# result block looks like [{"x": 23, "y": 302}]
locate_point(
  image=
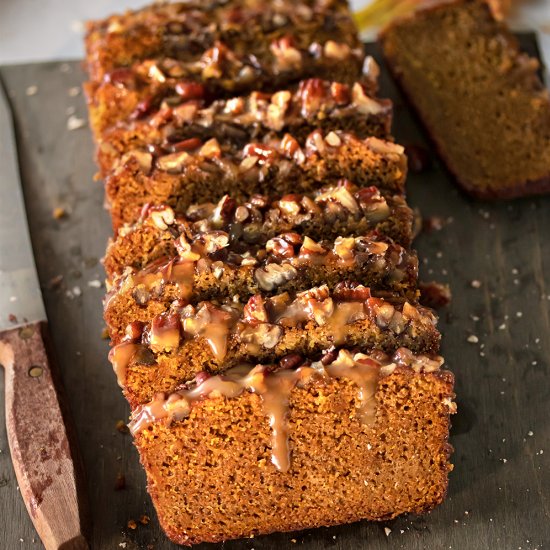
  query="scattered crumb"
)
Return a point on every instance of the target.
[
  {"x": 504, "y": 460},
  {"x": 31, "y": 90},
  {"x": 475, "y": 284},
  {"x": 144, "y": 520},
  {"x": 519, "y": 314},
  {"x": 123, "y": 544},
  {"x": 472, "y": 339},
  {"x": 433, "y": 223},
  {"x": 439, "y": 254},
  {"x": 12, "y": 318},
  {"x": 387, "y": 530},
  {"x": 530, "y": 433},
  {"x": 95, "y": 283},
  {"x": 65, "y": 68},
  {"x": 474, "y": 318},
  {"x": 74, "y": 292},
  {"x": 55, "y": 282},
  {"x": 74, "y": 123},
  {"x": 74, "y": 91},
  {"x": 502, "y": 327},
  {"x": 13, "y": 299},
  {"x": 515, "y": 271},
  {"x": 59, "y": 212},
  {"x": 120, "y": 482},
  {"x": 121, "y": 427}
]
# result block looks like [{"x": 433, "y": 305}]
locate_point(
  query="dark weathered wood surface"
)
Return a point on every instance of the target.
[{"x": 499, "y": 494}]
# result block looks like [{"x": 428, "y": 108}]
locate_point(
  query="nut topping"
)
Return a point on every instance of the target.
[
  {"x": 274, "y": 275},
  {"x": 371, "y": 70},
  {"x": 288, "y": 57},
  {"x": 280, "y": 247},
  {"x": 214, "y": 241},
  {"x": 336, "y": 50},
  {"x": 143, "y": 158},
  {"x": 309, "y": 246},
  {"x": 156, "y": 74},
  {"x": 259, "y": 150},
  {"x": 365, "y": 104},
  {"x": 343, "y": 248},
  {"x": 162, "y": 218},
  {"x": 384, "y": 147},
  {"x": 183, "y": 246},
  {"x": 254, "y": 311},
  {"x": 211, "y": 149},
  {"x": 289, "y": 145},
  {"x": 190, "y": 90},
  {"x": 351, "y": 292},
  {"x": 333, "y": 139},
  {"x": 165, "y": 333},
  {"x": 174, "y": 162}
]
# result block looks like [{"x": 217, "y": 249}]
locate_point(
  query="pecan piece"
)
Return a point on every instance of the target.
[
  {"x": 348, "y": 291},
  {"x": 274, "y": 275},
  {"x": 254, "y": 311}
]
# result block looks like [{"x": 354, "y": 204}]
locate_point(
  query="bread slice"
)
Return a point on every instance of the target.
[
  {"x": 316, "y": 104},
  {"x": 209, "y": 265},
  {"x": 478, "y": 96},
  {"x": 297, "y": 445},
  {"x": 159, "y": 355},
  {"x": 184, "y": 30},
  {"x": 204, "y": 172},
  {"x": 341, "y": 210},
  {"x": 126, "y": 92}
]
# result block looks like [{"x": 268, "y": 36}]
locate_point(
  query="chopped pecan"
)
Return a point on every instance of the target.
[
  {"x": 162, "y": 217},
  {"x": 364, "y": 103},
  {"x": 336, "y": 50},
  {"x": 224, "y": 211},
  {"x": 273, "y": 275},
  {"x": 184, "y": 248},
  {"x": 174, "y": 162},
  {"x": 291, "y": 361},
  {"x": 343, "y": 248},
  {"x": 280, "y": 247},
  {"x": 190, "y": 90},
  {"x": 309, "y": 246},
  {"x": 254, "y": 311},
  {"x": 347, "y": 291},
  {"x": 215, "y": 240},
  {"x": 211, "y": 149},
  {"x": 165, "y": 332}
]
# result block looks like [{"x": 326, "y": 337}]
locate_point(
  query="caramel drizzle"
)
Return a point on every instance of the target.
[
  {"x": 275, "y": 388},
  {"x": 120, "y": 357},
  {"x": 180, "y": 273},
  {"x": 217, "y": 325}
]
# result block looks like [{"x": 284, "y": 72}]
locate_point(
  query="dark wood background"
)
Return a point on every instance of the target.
[{"x": 499, "y": 493}]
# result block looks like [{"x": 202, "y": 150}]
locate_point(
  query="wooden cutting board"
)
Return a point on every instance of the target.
[{"x": 499, "y": 494}]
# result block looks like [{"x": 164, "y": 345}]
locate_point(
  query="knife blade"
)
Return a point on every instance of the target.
[{"x": 40, "y": 432}]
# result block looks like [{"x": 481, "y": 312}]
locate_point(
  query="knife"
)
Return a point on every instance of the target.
[{"x": 41, "y": 436}]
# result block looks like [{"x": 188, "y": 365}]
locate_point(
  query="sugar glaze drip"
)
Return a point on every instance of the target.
[{"x": 276, "y": 387}]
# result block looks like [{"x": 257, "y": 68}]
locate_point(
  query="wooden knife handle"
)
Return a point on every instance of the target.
[{"x": 42, "y": 439}]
